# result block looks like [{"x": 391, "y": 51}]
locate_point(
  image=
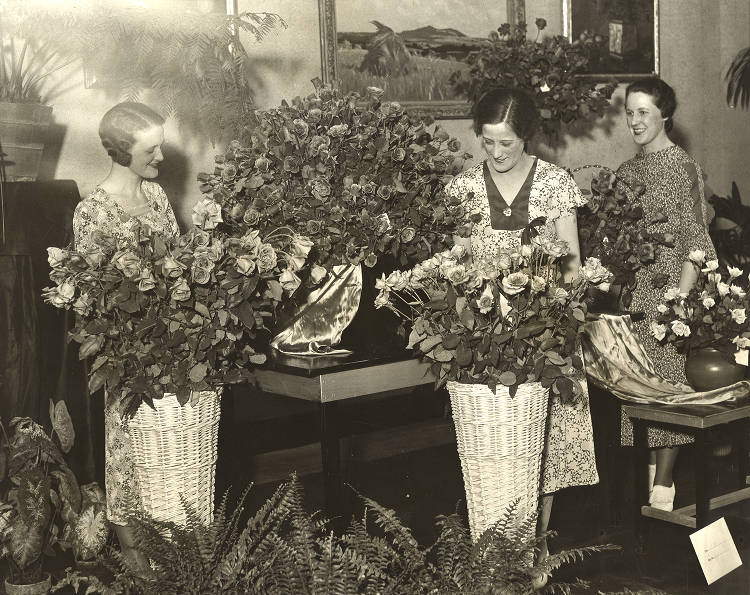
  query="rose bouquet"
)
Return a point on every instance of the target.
[
  {"x": 612, "y": 227},
  {"x": 358, "y": 176},
  {"x": 177, "y": 316},
  {"x": 508, "y": 321},
  {"x": 712, "y": 314}
]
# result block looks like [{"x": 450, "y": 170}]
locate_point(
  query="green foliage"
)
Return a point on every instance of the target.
[
  {"x": 194, "y": 63},
  {"x": 505, "y": 321},
  {"x": 180, "y": 316},
  {"x": 548, "y": 70},
  {"x": 283, "y": 550},
  {"x": 359, "y": 176},
  {"x": 612, "y": 227},
  {"x": 39, "y": 494}
]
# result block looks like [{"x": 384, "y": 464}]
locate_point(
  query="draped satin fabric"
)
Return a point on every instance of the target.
[
  {"x": 320, "y": 322},
  {"x": 616, "y": 361},
  {"x": 36, "y": 361}
]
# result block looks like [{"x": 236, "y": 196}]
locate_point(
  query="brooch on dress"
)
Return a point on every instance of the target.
[{"x": 507, "y": 212}]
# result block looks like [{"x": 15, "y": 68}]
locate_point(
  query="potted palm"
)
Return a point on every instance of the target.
[
  {"x": 26, "y": 62},
  {"x": 194, "y": 62},
  {"x": 501, "y": 334}
]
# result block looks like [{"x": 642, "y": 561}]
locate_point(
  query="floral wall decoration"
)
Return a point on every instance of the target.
[{"x": 359, "y": 176}]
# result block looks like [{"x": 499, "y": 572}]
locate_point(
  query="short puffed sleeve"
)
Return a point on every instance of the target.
[{"x": 562, "y": 193}]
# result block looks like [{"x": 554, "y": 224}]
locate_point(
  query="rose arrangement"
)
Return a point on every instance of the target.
[
  {"x": 507, "y": 321},
  {"x": 177, "y": 316},
  {"x": 612, "y": 227},
  {"x": 548, "y": 69},
  {"x": 358, "y": 176},
  {"x": 714, "y": 313}
]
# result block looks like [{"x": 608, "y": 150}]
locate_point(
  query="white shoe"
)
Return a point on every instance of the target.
[
  {"x": 662, "y": 497},
  {"x": 651, "y": 476}
]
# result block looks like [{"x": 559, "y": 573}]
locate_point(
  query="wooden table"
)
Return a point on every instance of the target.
[
  {"x": 329, "y": 380},
  {"x": 699, "y": 420}
]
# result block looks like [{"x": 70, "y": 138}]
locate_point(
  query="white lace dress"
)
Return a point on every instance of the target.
[{"x": 569, "y": 451}]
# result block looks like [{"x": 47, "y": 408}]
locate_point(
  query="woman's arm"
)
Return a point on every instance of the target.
[
  {"x": 693, "y": 230},
  {"x": 566, "y": 228}
]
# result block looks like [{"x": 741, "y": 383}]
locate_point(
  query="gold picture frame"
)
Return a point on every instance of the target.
[{"x": 333, "y": 47}]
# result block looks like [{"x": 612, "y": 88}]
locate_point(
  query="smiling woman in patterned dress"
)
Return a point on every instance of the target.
[
  {"x": 510, "y": 189},
  {"x": 132, "y": 134},
  {"x": 674, "y": 187}
]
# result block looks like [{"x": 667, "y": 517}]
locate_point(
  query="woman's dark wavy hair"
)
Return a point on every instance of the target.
[
  {"x": 662, "y": 95},
  {"x": 119, "y": 125},
  {"x": 513, "y": 106}
]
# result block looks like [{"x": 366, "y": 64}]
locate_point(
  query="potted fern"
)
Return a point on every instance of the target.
[{"x": 283, "y": 549}]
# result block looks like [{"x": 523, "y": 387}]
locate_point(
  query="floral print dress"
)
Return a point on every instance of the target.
[
  {"x": 549, "y": 192},
  {"x": 674, "y": 187},
  {"x": 100, "y": 214}
]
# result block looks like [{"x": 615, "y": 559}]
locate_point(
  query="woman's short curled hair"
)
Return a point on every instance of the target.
[
  {"x": 513, "y": 106},
  {"x": 662, "y": 94},
  {"x": 119, "y": 125}
]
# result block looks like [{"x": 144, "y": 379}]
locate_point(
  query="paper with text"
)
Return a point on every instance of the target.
[{"x": 716, "y": 550}]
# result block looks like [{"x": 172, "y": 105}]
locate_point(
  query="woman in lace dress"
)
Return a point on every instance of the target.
[
  {"x": 132, "y": 134},
  {"x": 674, "y": 187},
  {"x": 510, "y": 189}
]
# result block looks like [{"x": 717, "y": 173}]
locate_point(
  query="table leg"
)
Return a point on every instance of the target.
[
  {"x": 741, "y": 445},
  {"x": 640, "y": 478},
  {"x": 702, "y": 470},
  {"x": 331, "y": 458}
]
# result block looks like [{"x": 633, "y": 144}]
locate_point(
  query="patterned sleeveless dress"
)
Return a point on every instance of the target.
[
  {"x": 674, "y": 187},
  {"x": 100, "y": 213},
  {"x": 550, "y": 192}
]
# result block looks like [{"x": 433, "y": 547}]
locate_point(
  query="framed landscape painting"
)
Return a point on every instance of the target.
[
  {"x": 409, "y": 48},
  {"x": 630, "y": 29}
]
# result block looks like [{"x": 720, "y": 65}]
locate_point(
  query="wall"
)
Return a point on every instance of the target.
[{"x": 698, "y": 41}]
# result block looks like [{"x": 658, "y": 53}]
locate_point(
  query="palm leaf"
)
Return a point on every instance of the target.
[{"x": 738, "y": 80}]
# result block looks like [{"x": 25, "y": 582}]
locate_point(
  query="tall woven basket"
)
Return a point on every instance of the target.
[
  {"x": 175, "y": 450},
  {"x": 500, "y": 443}
]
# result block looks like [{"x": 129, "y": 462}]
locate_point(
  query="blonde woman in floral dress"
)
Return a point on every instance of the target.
[
  {"x": 510, "y": 189},
  {"x": 132, "y": 134},
  {"x": 674, "y": 188}
]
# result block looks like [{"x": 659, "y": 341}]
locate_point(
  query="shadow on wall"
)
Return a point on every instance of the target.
[
  {"x": 173, "y": 177},
  {"x": 52, "y": 148},
  {"x": 678, "y": 137},
  {"x": 271, "y": 74},
  {"x": 584, "y": 129}
]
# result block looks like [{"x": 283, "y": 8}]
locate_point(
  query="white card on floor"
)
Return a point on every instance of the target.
[{"x": 716, "y": 550}]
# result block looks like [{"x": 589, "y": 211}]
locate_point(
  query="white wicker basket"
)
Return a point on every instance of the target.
[
  {"x": 500, "y": 443},
  {"x": 175, "y": 450}
]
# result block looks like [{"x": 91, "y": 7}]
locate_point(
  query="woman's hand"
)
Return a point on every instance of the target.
[{"x": 566, "y": 228}]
